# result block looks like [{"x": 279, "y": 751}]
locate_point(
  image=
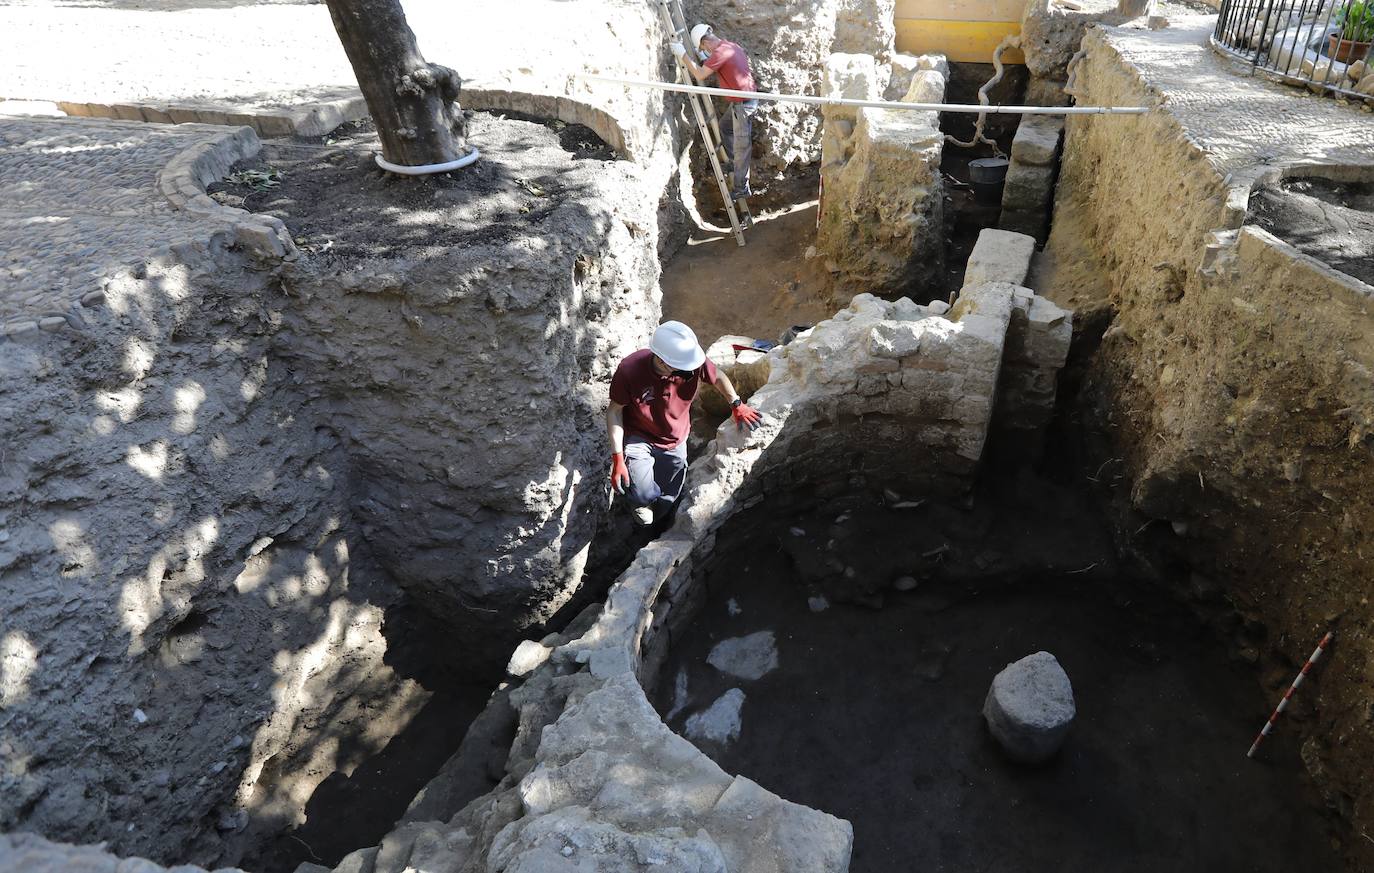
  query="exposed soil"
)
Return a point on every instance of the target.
[
  {"x": 874, "y": 715},
  {"x": 1331, "y": 221},
  {"x": 341, "y": 208},
  {"x": 759, "y": 289},
  {"x": 353, "y": 810}
]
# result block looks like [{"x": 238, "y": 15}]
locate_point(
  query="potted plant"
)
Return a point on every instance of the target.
[{"x": 1356, "y": 22}]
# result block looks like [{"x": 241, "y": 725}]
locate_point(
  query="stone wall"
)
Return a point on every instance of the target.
[
  {"x": 594, "y": 777},
  {"x": 881, "y": 225}
]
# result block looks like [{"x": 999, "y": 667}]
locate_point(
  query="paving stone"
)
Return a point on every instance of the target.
[{"x": 79, "y": 200}]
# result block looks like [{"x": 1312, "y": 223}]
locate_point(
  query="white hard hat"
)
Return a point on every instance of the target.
[
  {"x": 675, "y": 343},
  {"x": 697, "y": 33}
]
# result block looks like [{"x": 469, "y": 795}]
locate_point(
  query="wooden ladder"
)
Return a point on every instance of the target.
[{"x": 707, "y": 123}]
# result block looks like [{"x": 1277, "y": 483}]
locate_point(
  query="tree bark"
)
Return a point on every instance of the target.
[{"x": 414, "y": 103}]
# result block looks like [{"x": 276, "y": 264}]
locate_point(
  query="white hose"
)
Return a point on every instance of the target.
[
  {"x": 427, "y": 169},
  {"x": 876, "y": 104}
]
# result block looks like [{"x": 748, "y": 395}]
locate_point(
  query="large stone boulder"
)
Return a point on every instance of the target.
[{"x": 1030, "y": 708}]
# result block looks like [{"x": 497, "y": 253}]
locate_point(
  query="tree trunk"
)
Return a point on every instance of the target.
[{"x": 413, "y": 103}]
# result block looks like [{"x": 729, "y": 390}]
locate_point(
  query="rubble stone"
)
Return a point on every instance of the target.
[
  {"x": 1030, "y": 708},
  {"x": 749, "y": 657},
  {"x": 881, "y": 221}
]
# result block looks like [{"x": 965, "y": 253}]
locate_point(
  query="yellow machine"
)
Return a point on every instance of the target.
[{"x": 962, "y": 30}]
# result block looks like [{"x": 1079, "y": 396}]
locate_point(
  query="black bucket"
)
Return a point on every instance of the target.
[{"x": 987, "y": 175}]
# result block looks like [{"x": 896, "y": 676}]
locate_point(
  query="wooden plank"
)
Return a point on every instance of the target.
[
  {"x": 960, "y": 41},
  {"x": 961, "y": 10}
]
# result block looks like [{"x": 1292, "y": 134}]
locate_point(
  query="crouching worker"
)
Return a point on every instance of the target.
[{"x": 650, "y": 414}]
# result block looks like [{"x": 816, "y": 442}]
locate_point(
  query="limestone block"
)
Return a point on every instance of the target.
[
  {"x": 903, "y": 67},
  {"x": 1050, "y": 332},
  {"x": 720, "y": 722},
  {"x": 748, "y": 657},
  {"x": 1030, "y": 708},
  {"x": 1037, "y": 140},
  {"x": 999, "y": 256},
  {"x": 526, "y": 657},
  {"x": 748, "y": 371},
  {"x": 1028, "y": 187},
  {"x": 895, "y": 339},
  {"x": 851, "y": 77},
  {"x": 759, "y": 832},
  {"x": 927, "y": 86}
]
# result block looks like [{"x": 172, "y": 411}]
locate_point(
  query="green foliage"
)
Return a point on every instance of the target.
[
  {"x": 1356, "y": 19},
  {"x": 258, "y": 180}
]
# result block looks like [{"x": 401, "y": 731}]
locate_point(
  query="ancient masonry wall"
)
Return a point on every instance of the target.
[
  {"x": 1234, "y": 387},
  {"x": 594, "y": 777},
  {"x": 881, "y": 225},
  {"x": 192, "y": 633}
]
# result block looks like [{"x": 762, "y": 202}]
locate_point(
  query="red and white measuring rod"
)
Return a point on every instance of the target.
[
  {"x": 1283, "y": 704},
  {"x": 876, "y": 104}
]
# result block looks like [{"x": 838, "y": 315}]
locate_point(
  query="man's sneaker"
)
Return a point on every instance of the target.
[
  {"x": 643, "y": 515},
  {"x": 746, "y": 221},
  {"x": 737, "y": 194}
]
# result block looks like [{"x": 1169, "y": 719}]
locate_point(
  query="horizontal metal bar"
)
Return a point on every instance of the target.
[{"x": 875, "y": 104}]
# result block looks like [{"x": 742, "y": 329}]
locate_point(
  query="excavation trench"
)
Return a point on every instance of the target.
[
  {"x": 870, "y": 699},
  {"x": 894, "y": 564}
]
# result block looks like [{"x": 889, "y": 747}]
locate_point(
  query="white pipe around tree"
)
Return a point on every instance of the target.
[
  {"x": 428, "y": 169},
  {"x": 876, "y": 104}
]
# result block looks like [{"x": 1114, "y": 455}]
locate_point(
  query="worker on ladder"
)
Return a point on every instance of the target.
[{"x": 728, "y": 61}]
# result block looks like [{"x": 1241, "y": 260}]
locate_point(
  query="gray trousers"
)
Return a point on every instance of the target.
[
  {"x": 742, "y": 143},
  {"x": 655, "y": 474}
]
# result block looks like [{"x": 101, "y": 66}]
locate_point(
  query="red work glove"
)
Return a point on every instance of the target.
[
  {"x": 745, "y": 416},
  {"x": 620, "y": 474}
]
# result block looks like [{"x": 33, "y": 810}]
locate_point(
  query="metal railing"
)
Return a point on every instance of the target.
[{"x": 1291, "y": 40}]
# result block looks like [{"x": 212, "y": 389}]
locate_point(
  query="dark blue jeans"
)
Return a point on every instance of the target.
[{"x": 655, "y": 474}]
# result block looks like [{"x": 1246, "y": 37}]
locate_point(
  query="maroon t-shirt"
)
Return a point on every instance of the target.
[
  {"x": 731, "y": 64},
  {"x": 657, "y": 408}
]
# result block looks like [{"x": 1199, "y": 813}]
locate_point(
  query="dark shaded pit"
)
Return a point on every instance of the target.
[
  {"x": 874, "y": 715},
  {"x": 1331, "y": 221}
]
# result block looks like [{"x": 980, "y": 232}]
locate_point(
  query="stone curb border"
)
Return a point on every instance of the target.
[
  {"x": 314, "y": 119},
  {"x": 318, "y": 119},
  {"x": 183, "y": 183},
  {"x": 184, "y": 179}
]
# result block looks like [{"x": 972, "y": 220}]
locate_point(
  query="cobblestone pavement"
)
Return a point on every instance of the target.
[
  {"x": 78, "y": 200},
  {"x": 1247, "y": 124}
]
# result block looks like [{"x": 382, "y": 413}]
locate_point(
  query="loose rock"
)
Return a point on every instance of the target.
[
  {"x": 748, "y": 657},
  {"x": 720, "y": 722},
  {"x": 1030, "y": 708}
]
